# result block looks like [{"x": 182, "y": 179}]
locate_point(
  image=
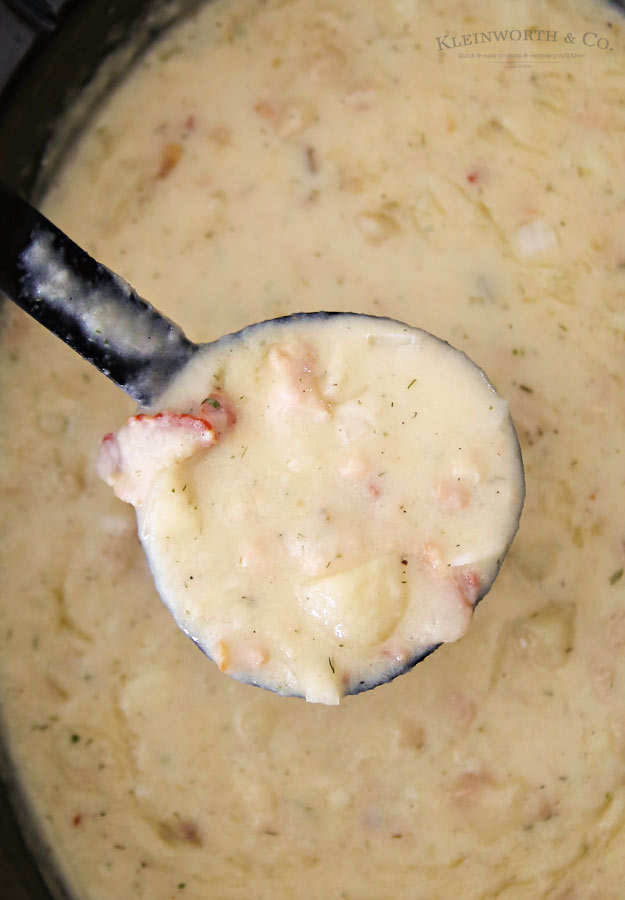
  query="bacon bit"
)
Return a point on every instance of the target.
[
  {"x": 169, "y": 159},
  {"x": 257, "y": 656},
  {"x": 109, "y": 456},
  {"x": 468, "y": 584},
  {"x": 374, "y": 489},
  {"x": 540, "y": 806},
  {"x": 452, "y": 495},
  {"x": 170, "y": 420},
  {"x": 240, "y": 657},
  {"x": 396, "y": 652},
  {"x": 266, "y": 110},
  {"x": 298, "y": 385},
  {"x": 77, "y": 820},
  {"x": 468, "y": 787},
  {"x": 130, "y": 459},
  {"x": 220, "y": 136},
  {"x": 190, "y": 833},
  {"x": 185, "y": 420},
  {"x": 287, "y": 119},
  {"x": 473, "y": 177},
  {"x": 219, "y": 411},
  {"x": 546, "y": 810},
  {"x": 221, "y": 656},
  {"x": 462, "y": 707},
  {"x": 190, "y": 123}
]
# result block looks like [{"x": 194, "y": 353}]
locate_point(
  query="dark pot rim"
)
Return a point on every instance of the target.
[{"x": 49, "y": 51}]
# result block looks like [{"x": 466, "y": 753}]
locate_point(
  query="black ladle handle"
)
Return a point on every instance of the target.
[{"x": 89, "y": 307}]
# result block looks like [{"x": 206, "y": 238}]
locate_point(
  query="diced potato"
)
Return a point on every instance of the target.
[
  {"x": 546, "y": 637},
  {"x": 362, "y": 605},
  {"x": 171, "y": 512},
  {"x": 535, "y": 559}
]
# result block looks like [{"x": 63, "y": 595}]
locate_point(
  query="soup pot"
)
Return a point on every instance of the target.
[{"x": 49, "y": 51}]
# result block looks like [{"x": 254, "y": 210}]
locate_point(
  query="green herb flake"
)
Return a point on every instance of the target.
[
  {"x": 528, "y": 390},
  {"x": 331, "y": 664},
  {"x": 214, "y": 403},
  {"x": 411, "y": 384},
  {"x": 75, "y": 738},
  {"x": 616, "y": 576}
]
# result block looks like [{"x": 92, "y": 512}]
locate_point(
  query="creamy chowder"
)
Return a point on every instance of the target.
[
  {"x": 272, "y": 157},
  {"x": 322, "y": 499}
]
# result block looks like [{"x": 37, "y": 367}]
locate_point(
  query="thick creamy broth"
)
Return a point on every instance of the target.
[
  {"x": 275, "y": 157},
  {"x": 322, "y": 499}
]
